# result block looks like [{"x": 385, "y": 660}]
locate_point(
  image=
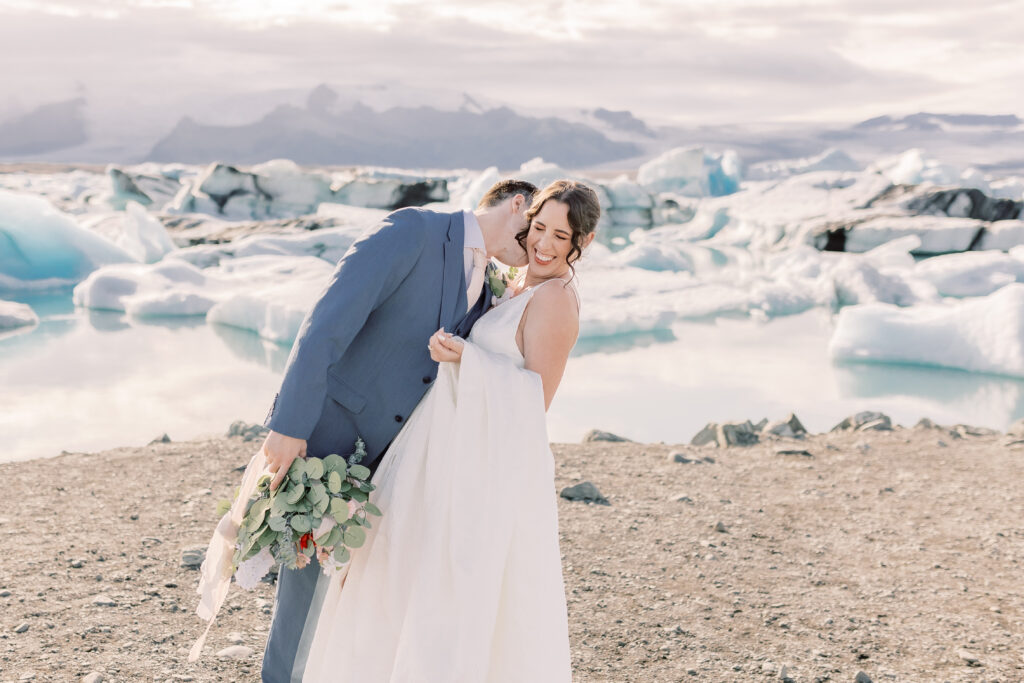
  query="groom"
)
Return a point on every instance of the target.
[{"x": 360, "y": 363}]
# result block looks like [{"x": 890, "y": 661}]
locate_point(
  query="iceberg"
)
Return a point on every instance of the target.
[
  {"x": 268, "y": 294},
  {"x": 938, "y": 234},
  {"x": 972, "y": 273},
  {"x": 41, "y": 246},
  {"x": 328, "y": 244},
  {"x": 692, "y": 172},
  {"x": 831, "y": 159},
  {"x": 985, "y": 334},
  {"x": 913, "y": 168},
  {"x": 134, "y": 230},
  {"x": 14, "y": 315},
  {"x": 1003, "y": 235}
]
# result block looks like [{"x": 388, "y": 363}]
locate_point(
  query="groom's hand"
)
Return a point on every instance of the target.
[{"x": 280, "y": 451}]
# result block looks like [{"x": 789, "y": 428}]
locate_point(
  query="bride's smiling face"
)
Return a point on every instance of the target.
[{"x": 550, "y": 240}]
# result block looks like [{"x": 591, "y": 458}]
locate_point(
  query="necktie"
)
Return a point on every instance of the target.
[{"x": 477, "y": 281}]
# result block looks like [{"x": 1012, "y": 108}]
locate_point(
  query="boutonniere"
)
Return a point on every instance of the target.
[{"x": 499, "y": 282}]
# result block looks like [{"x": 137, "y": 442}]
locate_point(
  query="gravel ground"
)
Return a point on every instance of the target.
[{"x": 896, "y": 554}]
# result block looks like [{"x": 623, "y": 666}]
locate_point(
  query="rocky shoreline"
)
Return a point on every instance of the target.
[{"x": 873, "y": 552}]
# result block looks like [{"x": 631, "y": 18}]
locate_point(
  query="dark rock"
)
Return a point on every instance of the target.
[
  {"x": 721, "y": 528},
  {"x": 248, "y": 432},
  {"x": 861, "y": 677},
  {"x": 794, "y": 451},
  {"x": 584, "y": 491},
  {"x": 192, "y": 558},
  {"x": 160, "y": 439},
  {"x": 866, "y": 420},
  {"x": 21, "y": 628},
  {"x": 969, "y": 658},
  {"x": 598, "y": 435},
  {"x": 737, "y": 434},
  {"x": 681, "y": 458},
  {"x": 760, "y": 425},
  {"x": 969, "y": 430}
]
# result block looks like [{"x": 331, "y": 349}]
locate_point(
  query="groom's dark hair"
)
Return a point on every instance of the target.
[{"x": 504, "y": 189}]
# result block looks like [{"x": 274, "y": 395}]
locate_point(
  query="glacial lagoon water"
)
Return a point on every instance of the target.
[{"x": 87, "y": 380}]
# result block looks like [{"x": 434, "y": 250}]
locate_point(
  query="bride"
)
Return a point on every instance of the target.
[{"x": 461, "y": 579}]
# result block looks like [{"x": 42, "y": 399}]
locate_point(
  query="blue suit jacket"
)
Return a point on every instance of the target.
[{"x": 360, "y": 363}]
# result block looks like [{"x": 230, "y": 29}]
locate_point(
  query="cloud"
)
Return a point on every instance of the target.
[{"x": 699, "y": 61}]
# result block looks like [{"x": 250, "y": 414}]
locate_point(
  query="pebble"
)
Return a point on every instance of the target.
[
  {"x": 784, "y": 675},
  {"x": 235, "y": 652},
  {"x": 598, "y": 435},
  {"x": 861, "y": 677},
  {"x": 21, "y": 628},
  {"x": 969, "y": 658},
  {"x": 94, "y": 677},
  {"x": 77, "y": 564},
  {"x": 584, "y": 491},
  {"x": 677, "y": 456},
  {"x": 681, "y": 498},
  {"x": 236, "y": 638},
  {"x": 161, "y": 439},
  {"x": 102, "y": 600},
  {"x": 192, "y": 558},
  {"x": 5, "y": 594},
  {"x": 720, "y": 527},
  {"x": 794, "y": 451}
]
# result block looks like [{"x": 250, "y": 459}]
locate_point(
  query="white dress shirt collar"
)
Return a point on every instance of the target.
[{"x": 474, "y": 236}]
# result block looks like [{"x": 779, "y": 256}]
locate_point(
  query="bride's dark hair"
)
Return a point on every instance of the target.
[{"x": 584, "y": 212}]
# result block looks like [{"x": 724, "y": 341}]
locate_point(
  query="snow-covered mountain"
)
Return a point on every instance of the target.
[{"x": 394, "y": 124}]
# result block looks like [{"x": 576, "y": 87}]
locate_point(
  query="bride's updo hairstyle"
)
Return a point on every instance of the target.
[{"x": 584, "y": 212}]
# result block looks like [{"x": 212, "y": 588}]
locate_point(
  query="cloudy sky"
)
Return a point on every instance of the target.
[{"x": 683, "y": 61}]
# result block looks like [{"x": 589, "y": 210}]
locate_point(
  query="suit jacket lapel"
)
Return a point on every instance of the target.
[{"x": 453, "y": 286}]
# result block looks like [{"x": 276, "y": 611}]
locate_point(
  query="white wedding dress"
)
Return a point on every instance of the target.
[{"x": 461, "y": 580}]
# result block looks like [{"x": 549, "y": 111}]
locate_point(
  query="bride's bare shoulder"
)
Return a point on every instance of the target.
[{"x": 556, "y": 298}]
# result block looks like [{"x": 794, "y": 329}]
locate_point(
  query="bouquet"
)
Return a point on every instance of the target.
[{"x": 321, "y": 507}]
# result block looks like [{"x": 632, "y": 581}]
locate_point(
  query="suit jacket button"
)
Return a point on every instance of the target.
[
  {"x": 398, "y": 418},
  {"x": 428, "y": 380}
]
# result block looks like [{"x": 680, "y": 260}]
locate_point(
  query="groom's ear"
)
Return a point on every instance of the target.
[{"x": 518, "y": 201}]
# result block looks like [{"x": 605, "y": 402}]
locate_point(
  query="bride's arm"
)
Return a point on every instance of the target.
[{"x": 550, "y": 326}]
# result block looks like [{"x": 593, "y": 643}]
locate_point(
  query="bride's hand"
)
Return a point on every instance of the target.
[{"x": 444, "y": 347}]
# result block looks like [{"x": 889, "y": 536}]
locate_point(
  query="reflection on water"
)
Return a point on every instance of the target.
[
  {"x": 622, "y": 342},
  {"x": 251, "y": 347},
  {"x": 89, "y": 380},
  {"x": 992, "y": 399}
]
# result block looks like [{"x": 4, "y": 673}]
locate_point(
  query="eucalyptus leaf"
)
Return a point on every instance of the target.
[
  {"x": 295, "y": 494},
  {"x": 297, "y": 469},
  {"x": 314, "y": 468},
  {"x": 358, "y": 496},
  {"x": 372, "y": 509},
  {"x": 335, "y": 463},
  {"x": 341, "y": 554},
  {"x": 322, "y": 505},
  {"x": 345, "y": 486},
  {"x": 359, "y": 472},
  {"x": 301, "y": 523},
  {"x": 354, "y": 537},
  {"x": 333, "y": 483},
  {"x": 277, "y": 523}
]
